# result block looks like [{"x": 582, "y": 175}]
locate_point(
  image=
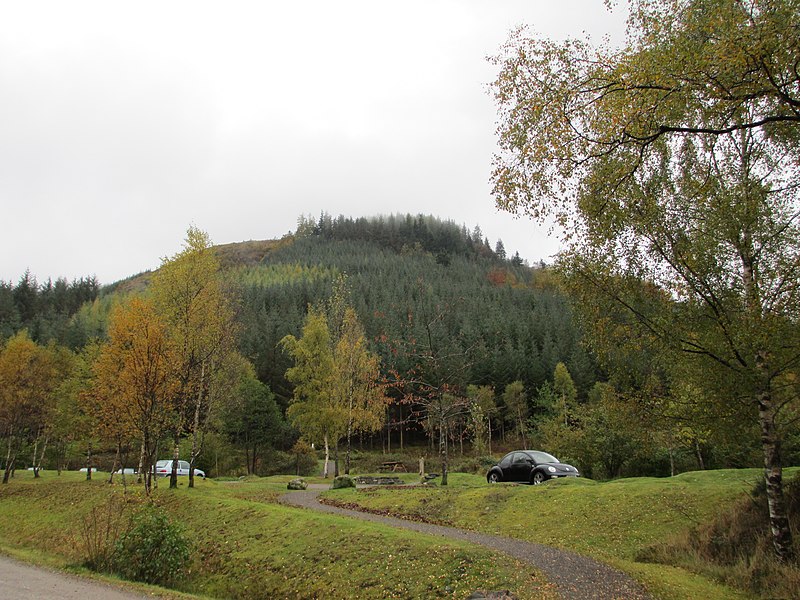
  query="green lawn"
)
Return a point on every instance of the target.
[
  {"x": 246, "y": 546},
  {"x": 610, "y": 521}
]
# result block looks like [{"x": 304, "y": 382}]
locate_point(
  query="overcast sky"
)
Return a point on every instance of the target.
[{"x": 123, "y": 123}]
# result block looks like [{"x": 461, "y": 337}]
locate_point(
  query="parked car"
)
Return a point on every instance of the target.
[
  {"x": 126, "y": 471},
  {"x": 164, "y": 469},
  {"x": 529, "y": 466}
]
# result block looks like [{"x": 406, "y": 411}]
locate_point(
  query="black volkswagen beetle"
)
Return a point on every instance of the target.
[{"x": 530, "y": 466}]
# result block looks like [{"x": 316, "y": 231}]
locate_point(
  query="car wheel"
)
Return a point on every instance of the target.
[
  {"x": 538, "y": 478},
  {"x": 492, "y": 477}
]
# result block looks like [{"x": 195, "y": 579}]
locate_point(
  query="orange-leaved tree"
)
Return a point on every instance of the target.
[
  {"x": 27, "y": 380},
  {"x": 135, "y": 379}
]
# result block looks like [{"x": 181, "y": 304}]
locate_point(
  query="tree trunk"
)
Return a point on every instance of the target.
[
  {"x": 10, "y": 457},
  {"x": 116, "y": 462},
  {"x": 176, "y": 455},
  {"x": 147, "y": 460},
  {"x": 671, "y": 452},
  {"x": 196, "y": 448},
  {"x": 388, "y": 430},
  {"x": 140, "y": 470},
  {"x": 35, "y": 454},
  {"x": 347, "y": 450},
  {"x": 89, "y": 462},
  {"x": 443, "y": 449},
  {"x": 773, "y": 473},
  {"x": 402, "y": 426},
  {"x": 42, "y": 453},
  {"x": 700, "y": 463},
  {"x": 327, "y": 457}
]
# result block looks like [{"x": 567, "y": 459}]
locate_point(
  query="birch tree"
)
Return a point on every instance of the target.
[
  {"x": 313, "y": 408},
  {"x": 674, "y": 161},
  {"x": 189, "y": 295},
  {"x": 357, "y": 379}
]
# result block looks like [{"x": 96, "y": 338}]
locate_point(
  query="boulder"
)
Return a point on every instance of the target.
[
  {"x": 297, "y": 484},
  {"x": 343, "y": 481}
]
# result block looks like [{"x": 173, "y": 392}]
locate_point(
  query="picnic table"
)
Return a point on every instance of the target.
[{"x": 393, "y": 466}]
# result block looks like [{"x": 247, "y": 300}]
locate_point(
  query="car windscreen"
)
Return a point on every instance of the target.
[{"x": 542, "y": 457}]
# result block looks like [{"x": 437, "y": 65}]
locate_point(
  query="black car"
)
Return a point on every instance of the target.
[{"x": 530, "y": 466}]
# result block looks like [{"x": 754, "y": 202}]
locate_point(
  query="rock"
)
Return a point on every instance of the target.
[
  {"x": 343, "y": 481},
  {"x": 297, "y": 484},
  {"x": 498, "y": 595},
  {"x": 366, "y": 480}
]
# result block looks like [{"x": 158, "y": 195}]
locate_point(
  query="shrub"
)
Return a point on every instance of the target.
[
  {"x": 99, "y": 532},
  {"x": 152, "y": 550}
]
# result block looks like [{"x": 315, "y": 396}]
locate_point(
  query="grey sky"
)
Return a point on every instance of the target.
[{"x": 123, "y": 123}]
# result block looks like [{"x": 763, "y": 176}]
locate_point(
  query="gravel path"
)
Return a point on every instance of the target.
[
  {"x": 575, "y": 576},
  {"x": 19, "y": 581}
]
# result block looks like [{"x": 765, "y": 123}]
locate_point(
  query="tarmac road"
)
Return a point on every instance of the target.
[{"x": 19, "y": 581}]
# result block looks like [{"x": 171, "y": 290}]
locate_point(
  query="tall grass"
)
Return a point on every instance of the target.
[{"x": 736, "y": 546}]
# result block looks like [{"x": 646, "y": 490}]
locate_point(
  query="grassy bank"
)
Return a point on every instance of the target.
[
  {"x": 246, "y": 546},
  {"x": 616, "y": 522}
]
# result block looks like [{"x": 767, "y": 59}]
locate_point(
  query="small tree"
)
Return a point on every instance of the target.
[
  {"x": 482, "y": 407},
  {"x": 313, "y": 408},
  {"x": 357, "y": 379},
  {"x": 565, "y": 391}
]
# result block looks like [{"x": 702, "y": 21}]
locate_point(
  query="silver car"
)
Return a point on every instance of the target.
[{"x": 164, "y": 469}]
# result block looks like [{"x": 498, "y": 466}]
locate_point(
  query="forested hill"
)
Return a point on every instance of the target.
[
  {"x": 409, "y": 276},
  {"x": 414, "y": 281}
]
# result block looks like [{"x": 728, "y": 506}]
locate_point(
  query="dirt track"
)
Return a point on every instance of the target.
[{"x": 575, "y": 576}]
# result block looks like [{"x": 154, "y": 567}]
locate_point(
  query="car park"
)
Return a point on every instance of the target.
[
  {"x": 164, "y": 469},
  {"x": 529, "y": 466}
]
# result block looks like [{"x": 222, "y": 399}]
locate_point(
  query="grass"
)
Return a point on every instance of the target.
[
  {"x": 614, "y": 521},
  {"x": 246, "y": 546}
]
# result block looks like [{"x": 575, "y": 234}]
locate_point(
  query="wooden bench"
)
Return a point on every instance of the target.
[{"x": 393, "y": 466}]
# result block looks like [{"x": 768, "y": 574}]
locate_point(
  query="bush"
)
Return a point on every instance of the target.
[
  {"x": 152, "y": 550},
  {"x": 100, "y": 530}
]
